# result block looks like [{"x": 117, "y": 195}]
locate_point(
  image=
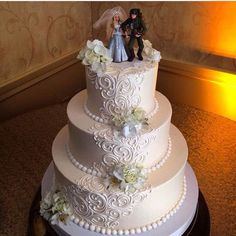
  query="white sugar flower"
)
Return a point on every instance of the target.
[
  {"x": 98, "y": 67},
  {"x": 130, "y": 122},
  {"x": 147, "y": 47},
  {"x": 92, "y": 44},
  {"x": 147, "y": 43},
  {"x": 91, "y": 57},
  {"x": 82, "y": 53},
  {"x": 118, "y": 173},
  {"x": 131, "y": 174},
  {"x": 55, "y": 208},
  {"x": 151, "y": 53},
  {"x": 95, "y": 66},
  {"x": 154, "y": 55},
  {"x": 138, "y": 114},
  {"x": 96, "y": 55},
  {"x": 48, "y": 199},
  {"x": 62, "y": 214},
  {"x": 54, "y": 219},
  {"x": 129, "y": 178},
  {"x": 100, "y": 50},
  {"x": 45, "y": 206},
  {"x": 125, "y": 131}
]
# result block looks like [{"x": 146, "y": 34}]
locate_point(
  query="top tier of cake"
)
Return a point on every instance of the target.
[{"x": 124, "y": 86}]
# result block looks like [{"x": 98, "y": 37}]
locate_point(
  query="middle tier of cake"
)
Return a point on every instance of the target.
[{"x": 93, "y": 146}]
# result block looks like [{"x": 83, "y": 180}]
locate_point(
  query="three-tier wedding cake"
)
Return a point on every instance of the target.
[{"x": 119, "y": 164}]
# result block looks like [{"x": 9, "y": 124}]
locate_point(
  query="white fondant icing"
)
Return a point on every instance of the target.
[
  {"x": 122, "y": 87},
  {"x": 105, "y": 121},
  {"x": 175, "y": 225},
  {"x": 99, "y": 170},
  {"x": 84, "y": 149},
  {"x": 119, "y": 149},
  {"x": 142, "y": 229},
  {"x": 97, "y": 205}
]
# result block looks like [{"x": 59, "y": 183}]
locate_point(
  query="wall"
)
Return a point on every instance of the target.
[
  {"x": 37, "y": 34},
  {"x": 200, "y": 33},
  {"x": 34, "y": 34},
  {"x": 38, "y": 46}
]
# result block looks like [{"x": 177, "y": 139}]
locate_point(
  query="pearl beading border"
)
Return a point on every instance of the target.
[
  {"x": 98, "y": 174},
  {"x": 94, "y": 117},
  {"x": 154, "y": 111},
  {"x": 163, "y": 160},
  {"x": 101, "y": 120},
  {"x": 139, "y": 230}
]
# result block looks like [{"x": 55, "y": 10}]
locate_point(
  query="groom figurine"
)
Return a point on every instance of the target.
[{"x": 137, "y": 28}]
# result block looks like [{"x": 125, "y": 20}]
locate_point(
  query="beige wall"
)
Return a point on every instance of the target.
[
  {"x": 201, "y": 33},
  {"x": 35, "y": 34}
]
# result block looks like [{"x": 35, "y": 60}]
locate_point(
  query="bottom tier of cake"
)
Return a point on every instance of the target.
[{"x": 174, "y": 226}]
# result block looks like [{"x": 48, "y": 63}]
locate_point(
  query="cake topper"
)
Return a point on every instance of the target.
[
  {"x": 112, "y": 19},
  {"x": 136, "y": 26}
]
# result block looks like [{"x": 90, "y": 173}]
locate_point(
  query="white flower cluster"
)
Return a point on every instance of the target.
[
  {"x": 151, "y": 53},
  {"x": 131, "y": 122},
  {"x": 130, "y": 178},
  {"x": 54, "y": 208},
  {"x": 96, "y": 55}
]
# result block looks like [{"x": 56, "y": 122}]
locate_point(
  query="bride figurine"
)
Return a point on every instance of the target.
[{"x": 112, "y": 18}]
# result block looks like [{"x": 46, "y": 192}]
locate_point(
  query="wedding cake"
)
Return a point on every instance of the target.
[{"x": 119, "y": 164}]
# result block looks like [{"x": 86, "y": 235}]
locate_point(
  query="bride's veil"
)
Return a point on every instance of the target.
[{"x": 106, "y": 19}]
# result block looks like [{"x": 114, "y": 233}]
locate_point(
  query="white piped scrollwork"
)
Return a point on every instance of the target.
[
  {"x": 153, "y": 225},
  {"x": 119, "y": 149},
  {"x": 119, "y": 90},
  {"x": 98, "y": 168},
  {"x": 95, "y": 204},
  {"x": 101, "y": 120}
]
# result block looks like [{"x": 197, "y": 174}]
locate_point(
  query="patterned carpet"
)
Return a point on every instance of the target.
[{"x": 25, "y": 153}]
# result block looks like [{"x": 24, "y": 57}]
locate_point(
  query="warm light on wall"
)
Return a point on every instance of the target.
[
  {"x": 218, "y": 33},
  {"x": 218, "y": 37},
  {"x": 222, "y": 92},
  {"x": 228, "y": 95}
]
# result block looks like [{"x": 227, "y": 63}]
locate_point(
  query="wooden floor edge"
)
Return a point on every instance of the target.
[{"x": 37, "y": 75}]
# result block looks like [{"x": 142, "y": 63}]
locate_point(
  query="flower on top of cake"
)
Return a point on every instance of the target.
[
  {"x": 95, "y": 55},
  {"x": 55, "y": 208},
  {"x": 152, "y": 54},
  {"x": 129, "y": 178},
  {"x": 130, "y": 123}
]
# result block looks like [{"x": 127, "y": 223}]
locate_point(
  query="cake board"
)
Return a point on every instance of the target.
[{"x": 176, "y": 225}]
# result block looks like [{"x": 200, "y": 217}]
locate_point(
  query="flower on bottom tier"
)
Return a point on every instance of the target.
[
  {"x": 129, "y": 178},
  {"x": 55, "y": 208}
]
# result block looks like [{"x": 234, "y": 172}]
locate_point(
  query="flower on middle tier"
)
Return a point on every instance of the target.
[{"x": 130, "y": 122}]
